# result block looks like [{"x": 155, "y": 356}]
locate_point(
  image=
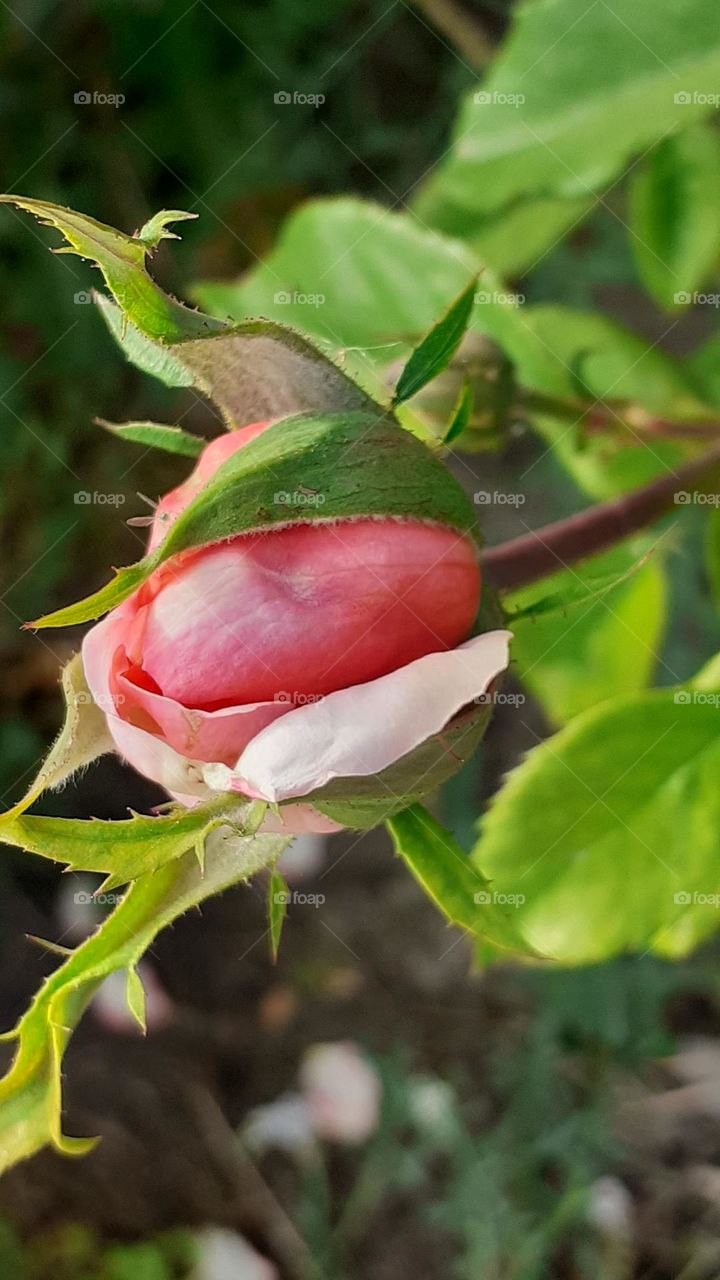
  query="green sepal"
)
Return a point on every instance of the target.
[
  {"x": 135, "y": 998},
  {"x": 125, "y": 849},
  {"x": 447, "y": 875},
  {"x": 83, "y": 737},
  {"x": 253, "y": 371},
  {"x": 31, "y": 1092},
  {"x": 437, "y": 349},
  {"x": 302, "y": 470},
  {"x": 461, "y": 414},
  {"x": 156, "y": 435},
  {"x": 363, "y": 803}
]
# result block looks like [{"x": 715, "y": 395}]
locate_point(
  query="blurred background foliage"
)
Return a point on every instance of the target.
[{"x": 595, "y": 226}]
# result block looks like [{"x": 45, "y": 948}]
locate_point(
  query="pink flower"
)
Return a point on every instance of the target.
[{"x": 274, "y": 662}]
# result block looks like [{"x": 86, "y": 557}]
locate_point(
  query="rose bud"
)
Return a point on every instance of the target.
[{"x": 278, "y": 664}]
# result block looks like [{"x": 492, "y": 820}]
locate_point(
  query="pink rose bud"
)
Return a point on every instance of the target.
[{"x": 274, "y": 662}]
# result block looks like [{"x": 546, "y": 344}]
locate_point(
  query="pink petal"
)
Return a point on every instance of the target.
[{"x": 360, "y": 731}]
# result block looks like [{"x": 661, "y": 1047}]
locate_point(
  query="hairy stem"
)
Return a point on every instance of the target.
[{"x": 544, "y": 551}]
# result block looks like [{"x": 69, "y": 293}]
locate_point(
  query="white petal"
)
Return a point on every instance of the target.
[{"x": 360, "y": 731}]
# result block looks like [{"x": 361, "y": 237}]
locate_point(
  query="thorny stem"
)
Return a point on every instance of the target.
[{"x": 544, "y": 551}]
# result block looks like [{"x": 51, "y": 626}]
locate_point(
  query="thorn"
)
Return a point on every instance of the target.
[
  {"x": 139, "y": 522},
  {"x": 53, "y": 947}
]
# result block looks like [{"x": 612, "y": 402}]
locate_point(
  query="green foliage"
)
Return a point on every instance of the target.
[
  {"x": 448, "y": 877},
  {"x": 608, "y": 638},
  {"x": 30, "y": 1094},
  {"x": 550, "y": 122},
  {"x": 675, "y": 214},
  {"x": 438, "y": 347},
  {"x": 609, "y": 830}
]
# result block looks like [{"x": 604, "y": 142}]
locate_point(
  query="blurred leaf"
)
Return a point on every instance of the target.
[
  {"x": 155, "y": 435},
  {"x": 712, "y": 553},
  {"x": 702, "y": 369},
  {"x": 560, "y": 126},
  {"x": 605, "y": 642},
  {"x": 515, "y": 240},
  {"x": 278, "y": 896},
  {"x": 30, "y": 1094},
  {"x": 446, "y": 874},
  {"x": 461, "y": 414},
  {"x": 436, "y": 350},
  {"x": 135, "y": 996},
  {"x": 611, "y": 830},
  {"x": 675, "y": 214},
  {"x": 250, "y": 491}
]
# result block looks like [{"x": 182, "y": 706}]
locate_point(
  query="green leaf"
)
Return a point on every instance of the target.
[
  {"x": 675, "y": 214},
  {"x": 155, "y": 435},
  {"x": 278, "y": 898},
  {"x": 610, "y": 830},
  {"x": 437, "y": 349},
  {"x": 126, "y": 849},
  {"x": 392, "y": 474},
  {"x": 591, "y": 632},
  {"x": 554, "y": 127},
  {"x": 135, "y": 996},
  {"x": 446, "y": 874},
  {"x": 461, "y": 415},
  {"x": 83, "y": 737},
  {"x": 30, "y": 1094}
]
